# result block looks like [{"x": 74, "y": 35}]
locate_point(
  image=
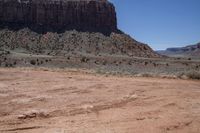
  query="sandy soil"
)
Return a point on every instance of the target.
[{"x": 36, "y": 101}]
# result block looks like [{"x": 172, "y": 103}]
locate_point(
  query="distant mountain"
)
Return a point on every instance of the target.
[{"x": 187, "y": 51}]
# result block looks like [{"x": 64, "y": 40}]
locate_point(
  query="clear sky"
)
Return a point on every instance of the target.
[{"x": 160, "y": 23}]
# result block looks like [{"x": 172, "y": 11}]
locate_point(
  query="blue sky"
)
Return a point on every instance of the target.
[{"x": 160, "y": 23}]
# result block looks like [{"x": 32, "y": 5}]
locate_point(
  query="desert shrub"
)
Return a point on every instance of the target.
[
  {"x": 89, "y": 52},
  {"x": 14, "y": 63},
  {"x": 104, "y": 62},
  {"x": 185, "y": 64},
  {"x": 146, "y": 75},
  {"x": 33, "y": 62},
  {"x": 84, "y": 59},
  {"x": 193, "y": 75},
  {"x": 7, "y": 52},
  {"x": 6, "y": 65},
  {"x": 96, "y": 62},
  {"x": 100, "y": 71}
]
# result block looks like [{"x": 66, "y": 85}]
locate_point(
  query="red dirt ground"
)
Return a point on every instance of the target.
[{"x": 38, "y": 101}]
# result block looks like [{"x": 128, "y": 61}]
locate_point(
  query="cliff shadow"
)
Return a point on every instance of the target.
[{"x": 42, "y": 29}]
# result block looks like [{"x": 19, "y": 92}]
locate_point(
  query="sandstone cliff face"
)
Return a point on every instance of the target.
[{"x": 89, "y": 15}]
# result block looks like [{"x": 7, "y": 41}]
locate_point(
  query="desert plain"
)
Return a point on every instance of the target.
[{"x": 77, "y": 101}]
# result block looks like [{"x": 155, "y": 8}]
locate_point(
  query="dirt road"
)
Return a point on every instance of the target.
[{"x": 36, "y": 101}]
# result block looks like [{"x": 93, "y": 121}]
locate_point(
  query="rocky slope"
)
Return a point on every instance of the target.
[
  {"x": 190, "y": 51},
  {"x": 73, "y": 42}
]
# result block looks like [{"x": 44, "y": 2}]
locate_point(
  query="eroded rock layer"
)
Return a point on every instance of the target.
[{"x": 88, "y": 15}]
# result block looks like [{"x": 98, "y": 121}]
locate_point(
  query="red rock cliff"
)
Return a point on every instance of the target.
[{"x": 97, "y": 15}]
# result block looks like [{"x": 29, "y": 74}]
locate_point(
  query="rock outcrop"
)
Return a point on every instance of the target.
[
  {"x": 43, "y": 16},
  {"x": 85, "y": 15}
]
